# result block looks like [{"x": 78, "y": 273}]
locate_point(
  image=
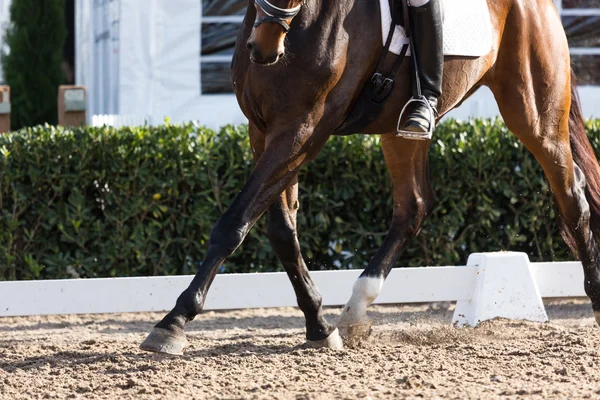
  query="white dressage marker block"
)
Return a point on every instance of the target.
[{"x": 505, "y": 287}]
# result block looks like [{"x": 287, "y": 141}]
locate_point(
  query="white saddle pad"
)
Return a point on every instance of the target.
[{"x": 467, "y": 28}]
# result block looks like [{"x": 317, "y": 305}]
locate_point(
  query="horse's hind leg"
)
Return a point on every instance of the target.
[
  {"x": 284, "y": 239},
  {"x": 407, "y": 163},
  {"x": 535, "y": 98},
  {"x": 569, "y": 178}
]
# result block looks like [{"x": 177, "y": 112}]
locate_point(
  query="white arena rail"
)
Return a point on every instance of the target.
[
  {"x": 120, "y": 121},
  {"x": 492, "y": 285}
]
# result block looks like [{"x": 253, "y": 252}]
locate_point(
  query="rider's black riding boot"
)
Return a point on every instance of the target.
[{"x": 428, "y": 39}]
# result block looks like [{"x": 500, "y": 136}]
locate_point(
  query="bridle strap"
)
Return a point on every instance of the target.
[
  {"x": 276, "y": 14},
  {"x": 270, "y": 18}
]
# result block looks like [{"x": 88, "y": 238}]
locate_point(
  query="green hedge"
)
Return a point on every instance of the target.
[
  {"x": 33, "y": 59},
  {"x": 96, "y": 202}
]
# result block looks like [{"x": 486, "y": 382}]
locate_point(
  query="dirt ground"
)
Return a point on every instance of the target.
[{"x": 256, "y": 354}]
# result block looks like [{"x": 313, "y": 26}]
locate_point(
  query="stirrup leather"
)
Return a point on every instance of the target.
[{"x": 416, "y": 135}]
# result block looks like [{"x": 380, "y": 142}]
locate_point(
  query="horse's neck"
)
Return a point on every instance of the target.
[
  {"x": 320, "y": 13},
  {"x": 317, "y": 10},
  {"x": 325, "y": 24}
]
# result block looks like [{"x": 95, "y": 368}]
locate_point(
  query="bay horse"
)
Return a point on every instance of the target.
[{"x": 297, "y": 77}]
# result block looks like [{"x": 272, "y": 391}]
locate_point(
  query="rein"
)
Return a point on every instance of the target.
[{"x": 276, "y": 14}]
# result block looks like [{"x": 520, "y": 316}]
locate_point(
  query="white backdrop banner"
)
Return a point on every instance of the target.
[
  {"x": 97, "y": 53},
  {"x": 140, "y": 57},
  {"x": 160, "y": 59}
]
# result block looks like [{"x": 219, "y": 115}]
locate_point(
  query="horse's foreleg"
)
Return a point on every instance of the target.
[
  {"x": 274, "y": 171},
  {"x": 284, "y": 239},
  {"x": 407, "y": 163}
]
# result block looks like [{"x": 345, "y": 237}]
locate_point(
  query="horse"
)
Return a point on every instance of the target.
[{"x": 298, "y": 68}]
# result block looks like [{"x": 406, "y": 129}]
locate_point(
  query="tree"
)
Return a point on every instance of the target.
[{"x": 32, "y": 65}]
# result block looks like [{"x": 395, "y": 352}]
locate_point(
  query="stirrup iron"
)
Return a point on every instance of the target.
[{"x": 416, "y": 135}]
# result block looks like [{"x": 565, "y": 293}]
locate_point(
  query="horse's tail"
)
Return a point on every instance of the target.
[{"x": 584, "y": 157}]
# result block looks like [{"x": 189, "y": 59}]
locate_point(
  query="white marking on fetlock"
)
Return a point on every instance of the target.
[
  {"x": 365, "y": 291},
  {"x": 333, "y": 341}
]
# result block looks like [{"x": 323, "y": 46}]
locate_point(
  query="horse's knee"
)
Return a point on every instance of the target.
[
  {"x": 282, "y": 236},
  {"x": 409, "y": 219},
  {"x": 226, "y": 237},
  {"x": 280, "y": 232}
]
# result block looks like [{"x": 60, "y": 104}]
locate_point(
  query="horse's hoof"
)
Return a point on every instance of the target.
[
  {"x": 164, "y": 341},
  {"x": 333, "y": 341},
  {"x": 356, "y": 332}
]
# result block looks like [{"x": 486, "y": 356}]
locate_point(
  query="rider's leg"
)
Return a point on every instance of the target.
[{"x": 428, "y": 38}]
